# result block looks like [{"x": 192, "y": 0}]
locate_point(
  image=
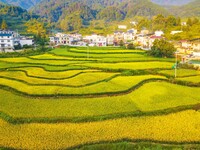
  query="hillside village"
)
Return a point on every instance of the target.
[
  {"x": 13, "y": 41},
  {"x": 142, "y": 40}
]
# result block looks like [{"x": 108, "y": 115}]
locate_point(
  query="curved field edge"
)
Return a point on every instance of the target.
[
  {"x": 138, "y": 113},
  {"x": 91, "y": 95},
  {"x": 129, "y": 145},
  {"x": 135, "y": 144},
  {"x": 142, "y": 102},
  {"x": 161, "y": 129}
]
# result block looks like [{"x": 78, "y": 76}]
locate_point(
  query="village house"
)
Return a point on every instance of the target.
[
  {"x": 195, "y": 45},
  {"x": 130, "y": 35},
  {"x": 110, "y": 40},
  {"x": 122, "y": 27},
  {"x": 25, "y": 41},
  {"x": 6, "y": 41},
  {"x": 95, "y": 40},
  {"x": 118, "y": 37},
  {"x": 159, "y": 33},
  {"x": 175, "y": 32}
]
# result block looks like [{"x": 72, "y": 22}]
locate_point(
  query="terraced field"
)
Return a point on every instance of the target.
[{"x": 80, "y": 98}]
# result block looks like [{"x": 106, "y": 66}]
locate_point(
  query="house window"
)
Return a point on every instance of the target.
[
  {"x": 2, "y": 40},
  {"x": 8, "y": 40}
]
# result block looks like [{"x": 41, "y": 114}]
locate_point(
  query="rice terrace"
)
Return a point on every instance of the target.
[{"x": 97, "y": 98}]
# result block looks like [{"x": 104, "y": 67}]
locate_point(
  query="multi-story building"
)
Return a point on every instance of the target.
[
  {"x": 6, "y": 41},
  {"x": 95, "y": 40}
]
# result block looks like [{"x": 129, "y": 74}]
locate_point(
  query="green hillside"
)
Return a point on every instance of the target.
[
  {"x": 74, "y": 14},
  {"x": 14, "y": 16}
]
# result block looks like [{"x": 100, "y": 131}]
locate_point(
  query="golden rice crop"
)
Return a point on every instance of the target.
[
  {"x": 40, "y": 72},
  {"x": 35, "y": 61},
  {"x": 181, "y": 72},
  {"x": 148, "y": 98},
  {"x": 51, "y": 56},
  {"x": 131, "y": 65},
  {"x": 178, "y": 127},
  {"x": 78, "y": 80},
  {"x": 120, "y": 83},
  {"x": 194, "y": 79}
]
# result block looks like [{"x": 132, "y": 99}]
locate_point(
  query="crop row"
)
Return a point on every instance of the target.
[
  {"x": 142, "y": 101},
  {"x": 77, "y": 80},
  {"x": 119, "y": 84},
  {"x": 67, "y": 135},
  {"x": 130, "y": 65},
  {"x": 40, "y": 73}
]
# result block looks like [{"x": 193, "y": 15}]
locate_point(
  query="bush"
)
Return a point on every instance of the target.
[
  {"x": 162, "y": 48},
  {"x": 130, "y": 46}
]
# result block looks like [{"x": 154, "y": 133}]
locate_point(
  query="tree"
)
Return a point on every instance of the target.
[
  {"x": 35, "y": 27},
  {"x": 121, "y": 43},
  {"x": 189, "y": 22},
  {"x": 4, "y": 25},
  {"x": 162, "y": 48},
  {"x": 130, "y": 46}
]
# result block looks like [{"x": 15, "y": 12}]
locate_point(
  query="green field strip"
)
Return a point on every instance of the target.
[
  {"x": 107, "y": 51},
  {"x": 120, "y": 84},
  {"x": 48, "y": 56},
  {"x": 126, "y": 144},
  {"x": 78, "y": 80},
  {"x": 180, "y": 72},
  {"x": 131, "y": 65},
  {"x": 145, "y": 59},
  {"x": 25, "y": 60},
  {"x": 192, "y": 79},
  {"x": 65, "y": 52},
  {"x": 143, "y": 101},
  {"x": 54, "y": 68},
  {"x": 160, "y": 129},
  {"x": 50, "y": 75}
]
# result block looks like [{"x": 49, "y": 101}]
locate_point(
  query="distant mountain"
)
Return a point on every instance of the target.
[
  {"x": 172, "y": 2},
  {"x": 72, "y": 14},
  {"x": 190, "y": 10},
  {"x": 25, "y": 4}
]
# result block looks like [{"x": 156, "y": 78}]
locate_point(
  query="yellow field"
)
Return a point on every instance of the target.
[
  {"x": 178, "y": 127},
  {"x": 120, "y": 83}
]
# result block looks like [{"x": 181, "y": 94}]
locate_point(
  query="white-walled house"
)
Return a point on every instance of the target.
[
  {"x": 6, "y": 41},
  {"x": 175, "y": 32},
  {"x": 122, "y": 27},
  {"x": 110, "y": 39},
  {"x": 130, "y": 35},
  {"x": 95, "y": 40},
  {"x": 159, "y": 33},
  {"x": 26, "y": 41},
  {"x": 54, "y": 40}
]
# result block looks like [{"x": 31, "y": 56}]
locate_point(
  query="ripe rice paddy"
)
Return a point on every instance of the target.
[{"x": 70, "y": 98}]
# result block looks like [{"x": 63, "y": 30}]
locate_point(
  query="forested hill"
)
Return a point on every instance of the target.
[
  {"x": 172, "y": 2},
  {"x": 14, "y": 16},
  {"x": 25, "y": 4},
  {"x": 72, "y": 14}
]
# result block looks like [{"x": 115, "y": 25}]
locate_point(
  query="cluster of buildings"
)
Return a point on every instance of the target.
[
  {"x": 144, "y": 39},
  {"x": 190, "y": 47},
  {"x": 10, "y": 39}
]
